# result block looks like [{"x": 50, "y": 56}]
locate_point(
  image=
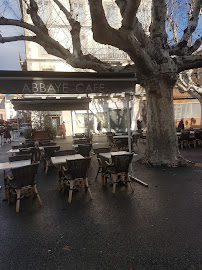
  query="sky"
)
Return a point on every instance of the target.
[
  {"x": 9, "y": 55},
  {"x": 9, "y": 52}
]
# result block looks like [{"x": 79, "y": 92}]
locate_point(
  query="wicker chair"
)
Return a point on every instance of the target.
[
  {"x": 101, "y": 164},
  {"x": 23, "y": 180},
  {"x": 118, "y": 170},
  {"x": 198, "y": 137},
  {"x": 77, "y": 171},
  {"x": 48, "y": 153},
  {"x": 84, "y": 149},
  {"x": 35, "y": 153},
  {"x": 183, "y": 140}
]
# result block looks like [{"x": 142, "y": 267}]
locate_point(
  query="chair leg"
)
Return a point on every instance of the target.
[
  {"x": 114, "y": 183},
  {"x": 5, "y": 186},
  {"x": 47, "y": 164},
  {"x": 128, "y": 180},
  {"x": 87, "y": 186},
  {"x": 63, "y": 186},
  {"x": 70, "y": 191},
  {"x": 37, "y": 194},
  {"x": 103, "y": 179},
  {"x": 8, "y": 197},
  {"x": 97, "y": 174},
  {"x": 59, "y": 177},
  {"x": 18, "y": 200}
]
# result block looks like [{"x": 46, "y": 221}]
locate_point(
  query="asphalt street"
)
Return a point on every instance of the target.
[{"x": 156, "y": 227}]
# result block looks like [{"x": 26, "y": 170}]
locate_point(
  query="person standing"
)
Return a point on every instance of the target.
[
  {"x": 63, "y": 130},
  {"x": 99, "y": 127},
  {"x": 181, "y": 124},
  {"x": 139, "y": 125},
  {"x": 8, "y": 133}
]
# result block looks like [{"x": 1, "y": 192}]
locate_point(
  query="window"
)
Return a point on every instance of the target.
[
  {"x": 79, "y": 11},
  {"x": 111, "y": 14},
  {"x": 187, "y": 110},
  {"x": 103, "y": 118},
  {"x": 118, "y": 120},
  {"x": 82, "y": 122},
  {"x": 44, "y": 11}
]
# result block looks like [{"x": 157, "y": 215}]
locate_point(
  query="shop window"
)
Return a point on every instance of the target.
[
  {"x": 103, "y": 118},
  {"x": 118, "y": 120},
  {"x": 82, "y": 122}
]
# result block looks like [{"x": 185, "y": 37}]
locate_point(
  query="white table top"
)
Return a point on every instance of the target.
[
  {"x": 108, "y": 155},
  {"x": 62, "y": 159},
  {"x": 121, "y": 137},
  {"x": 14, "y": 164},
  {"x": 100, "y": 145},
  {"x": 18, "y": 150}
]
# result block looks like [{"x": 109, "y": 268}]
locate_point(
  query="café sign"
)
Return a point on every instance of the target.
[{"x": 29, "y": 82}]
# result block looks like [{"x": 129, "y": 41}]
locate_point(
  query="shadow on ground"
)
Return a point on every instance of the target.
[{"x": 154, "y": 228}]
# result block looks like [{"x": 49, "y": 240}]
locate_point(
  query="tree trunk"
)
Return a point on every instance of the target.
[{"x": 161, "y": 144}]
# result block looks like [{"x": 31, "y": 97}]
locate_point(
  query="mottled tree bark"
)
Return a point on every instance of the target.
[{"x": 161, "y": 144}]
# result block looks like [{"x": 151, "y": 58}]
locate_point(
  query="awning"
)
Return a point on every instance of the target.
[
  {"x": 48, "y": 82},
  {"x": 51, "y": 104}
]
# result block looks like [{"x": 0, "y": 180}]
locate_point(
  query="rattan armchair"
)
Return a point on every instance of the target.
[
  {"x": 23, "y": 181},
  {"x": 118, "y": 170}
]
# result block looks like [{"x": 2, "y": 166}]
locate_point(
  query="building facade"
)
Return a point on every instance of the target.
[{"x": 111, "y": 110}]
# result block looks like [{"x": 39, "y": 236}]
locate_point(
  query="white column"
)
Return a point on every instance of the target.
[{"x": 129, "y": 123}]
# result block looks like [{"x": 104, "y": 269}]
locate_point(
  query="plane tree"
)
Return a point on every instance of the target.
[{"x": 157, "y": 56}]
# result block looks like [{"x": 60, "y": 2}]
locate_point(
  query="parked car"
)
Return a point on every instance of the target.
[{"x": 24, "y": 127}]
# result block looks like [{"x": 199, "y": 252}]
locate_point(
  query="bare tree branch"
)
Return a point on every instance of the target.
[
  {"x": 33, "y": 10},
  {"x": 188, "y": 62},
  {"x": 157, "y": 29},
  {"x": 180, "y": 48},
  {"x": 76, "y": 28},
  {"x": 105, "y": 34},
  {"x": 102, "y": 31},
  {"x": 195, "y": 46},
  {"x": 185, "y": 83},
  {"x": 171, "y": 23},
  {"x": 17, "y": 38},
  {"x": 130, "y": 13},
  {"x": 5, "y": 21},
  {"x": 136, "y": 27}
]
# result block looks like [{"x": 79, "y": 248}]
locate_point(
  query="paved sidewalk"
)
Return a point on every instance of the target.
[{"x": 158, "y": 227}]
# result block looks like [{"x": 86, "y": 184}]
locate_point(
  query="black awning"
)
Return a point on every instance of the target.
[
  {"x": 51, "y": 104},
  {"x": 48, "y": 82}
]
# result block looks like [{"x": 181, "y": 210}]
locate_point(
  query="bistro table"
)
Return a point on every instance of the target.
[
  {"x": 120, "y": 137},
  {"x": 108, "y": 155},
  {"x": 11, "y": 165},
  {"x": 60, "y": 160},
  {"x": 12, "y": 151}
]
